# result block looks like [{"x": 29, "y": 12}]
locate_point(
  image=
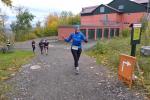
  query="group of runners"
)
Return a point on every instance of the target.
[{"x": 43, "y": 45}]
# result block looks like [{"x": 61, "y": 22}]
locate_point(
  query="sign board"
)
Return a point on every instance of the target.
[
  {"x": 137, "y": 31},
  {"x": 136, "y": 34},
  {"x": 126, "y": 68}
]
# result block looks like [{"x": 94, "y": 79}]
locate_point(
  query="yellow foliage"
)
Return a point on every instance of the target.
[
  {"x": 52, "y": 20},
  {"x": 53, "y": 25},
  {"x": 3, "y": 78},
  {"x": 7, "y": 2},
  {"x": 28, "y": 36}
]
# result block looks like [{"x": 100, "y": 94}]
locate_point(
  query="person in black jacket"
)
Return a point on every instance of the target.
[
  {"x": 41, "y": 45},
  {"x": 46, "y": 43},
  {"x": 33, "y": 46}
]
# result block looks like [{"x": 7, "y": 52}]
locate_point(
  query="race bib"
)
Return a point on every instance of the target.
[{"x": 75, "y": 47}]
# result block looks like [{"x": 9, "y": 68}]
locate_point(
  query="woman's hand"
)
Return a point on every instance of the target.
[{"x": 85, "y": 41}]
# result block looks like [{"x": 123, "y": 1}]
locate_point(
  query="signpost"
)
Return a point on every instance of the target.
[
  {"x": 126, "y": 68},
  {"x": 135, "y": 37},
  {"x": 127, "y": 63}
]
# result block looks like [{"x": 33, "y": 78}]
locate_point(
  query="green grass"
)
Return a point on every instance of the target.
[
  {"x": 107, "y": 53},
  {"x": 11, "y": 62}
]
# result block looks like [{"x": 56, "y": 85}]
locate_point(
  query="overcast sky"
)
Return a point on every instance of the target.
[{"x": 41, "y": 8}]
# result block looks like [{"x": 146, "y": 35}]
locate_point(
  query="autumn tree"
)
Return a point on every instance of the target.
[
  {"x": 64, "y": 18},
  {"x": 22, "y": 25},
  {"x": 74, "y": 20},
  {"x": 68, "y": 18},
  {"x": 51, "y": 24},
  {"x": 3, "y": 18},
  {"x": 53, "y": 20},
  {"x": 7, "y": 2},
  {"x": 38, "y": 29}
]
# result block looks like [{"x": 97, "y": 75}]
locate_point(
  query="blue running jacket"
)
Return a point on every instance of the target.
[{"x": 77, "y": 39}]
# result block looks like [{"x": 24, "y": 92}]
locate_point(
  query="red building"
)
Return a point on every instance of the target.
[{"x": 106, "y": 21}]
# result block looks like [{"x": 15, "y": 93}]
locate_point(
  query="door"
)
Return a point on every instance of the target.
[
  {"x": 106, "y": 30},
  {"x": 99, "y": 33},
  {"x": 117, "y": 31},
  {"x": 91, "y": 33},
  {"x": 83, "y": 31},
  {"x": 112, "y": 32}
]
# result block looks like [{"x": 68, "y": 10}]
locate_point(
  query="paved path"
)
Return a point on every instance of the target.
[{"x": 55, "y": 79}]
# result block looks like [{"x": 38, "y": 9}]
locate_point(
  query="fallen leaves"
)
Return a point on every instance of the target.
[
  {"x": 12, "y": 69},
  {"x": 3, "y": 78}
]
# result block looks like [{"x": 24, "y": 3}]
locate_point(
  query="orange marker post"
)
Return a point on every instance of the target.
[{"x": 126, "y": 68}]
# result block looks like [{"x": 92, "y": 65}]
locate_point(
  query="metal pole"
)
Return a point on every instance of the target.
[{"x": 133, "y": 50}]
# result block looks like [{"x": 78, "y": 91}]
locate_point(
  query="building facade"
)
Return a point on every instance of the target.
[{"x": 106, "y": 21}]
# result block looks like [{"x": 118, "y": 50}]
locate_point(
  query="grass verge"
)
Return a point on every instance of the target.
[
  {"x": 10, "y": 63},
  {"x": 107, "y": 53}
]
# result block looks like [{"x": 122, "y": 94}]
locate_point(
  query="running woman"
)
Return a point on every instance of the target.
[{"x": 76, "y": 48}]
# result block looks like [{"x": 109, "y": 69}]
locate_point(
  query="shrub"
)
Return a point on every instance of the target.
[
  {"x": 126, "y": 33},
  {"x": 2, "y": 38},
  {"x": 30, "y": 36},
  {"x": 38, "y": 32},
  {"x": 25, "y": 37},
  {"x": 100, "y": 48},
  {"x": 49, "y": 32},
  {"x": 46, "y": 32}
]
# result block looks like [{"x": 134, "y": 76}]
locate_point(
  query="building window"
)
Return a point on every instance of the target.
[
  {"x": 121, "y": 7},
  {"x": 102, "y": 9},
  {"x": 105, "y": 19}
]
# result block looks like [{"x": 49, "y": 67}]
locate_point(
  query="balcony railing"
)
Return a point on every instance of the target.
[{"x": 113, "y": 23}]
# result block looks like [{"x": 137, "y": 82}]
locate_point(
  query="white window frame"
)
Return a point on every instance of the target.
[
  {"x": 102, "y": 9},
  {"x": 121, "y": 7}
]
